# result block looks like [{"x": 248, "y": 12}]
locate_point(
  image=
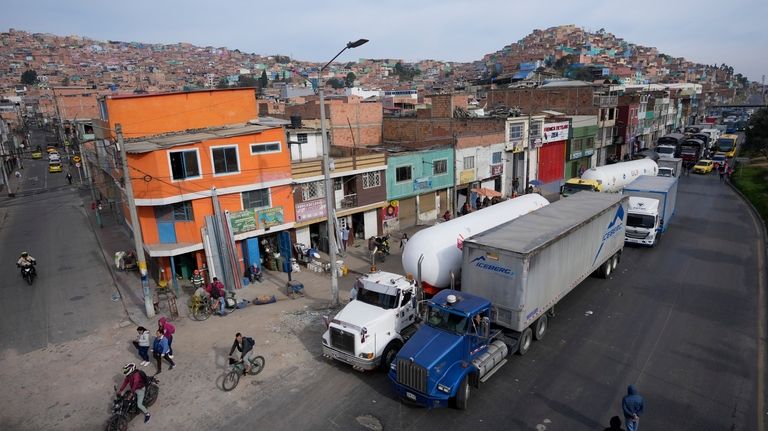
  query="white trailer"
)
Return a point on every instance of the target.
[
  {"x": 670, "y": 167},
  {"x": 613, "y": 178},
  {"x": 526, "y": 266}
]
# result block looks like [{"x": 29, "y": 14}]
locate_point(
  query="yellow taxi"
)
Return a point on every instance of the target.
[
  {"x": 703, "y": 166},
  {"x": 37, "y": 154},
  {"x": 51, "y": 149},
  {"x": 54, "y": 167}
]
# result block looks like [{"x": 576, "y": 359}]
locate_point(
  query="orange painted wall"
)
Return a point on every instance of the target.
[{"x": 152, "y": 114}]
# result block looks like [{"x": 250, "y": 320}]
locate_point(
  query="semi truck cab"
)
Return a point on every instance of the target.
[
  {"x": 575, "y": 185},
  {"x": 643, "y": 221},
  {"x": 368, "y": 332},
  {"x": 453, "y": 351}
]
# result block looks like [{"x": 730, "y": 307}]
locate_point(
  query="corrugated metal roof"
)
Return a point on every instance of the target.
[
  {"x": 161, "y": 142},
  {"x": 545, "y": 225}
]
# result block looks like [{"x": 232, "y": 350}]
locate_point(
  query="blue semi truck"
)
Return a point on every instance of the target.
[{"x": 512, "y": 276}]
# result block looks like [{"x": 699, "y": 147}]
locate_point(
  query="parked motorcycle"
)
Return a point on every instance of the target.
[
  {"x": 28, "y": 273},
  {"x": 253, "y": 273},
  {"x": 124, "y": 407},
  {"x": 305, "y": 254}
]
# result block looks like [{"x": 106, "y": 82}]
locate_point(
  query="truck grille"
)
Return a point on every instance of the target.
[
  {"x": 412, "y": 375},
  {"x": 637, "y": 235},
  {"x": 343, "y": 340}
]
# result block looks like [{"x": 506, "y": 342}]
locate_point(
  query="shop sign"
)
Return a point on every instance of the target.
[
  {"x": 243, "y": 221},
  {"x": 466, "y": 176},
  {"x": 390, "y": 211},
  {"x": 422, "y": 184},
  {"x": 516, "y": 146},
  {"x": 576, "y": 155},
  {"x": 497, "y": 169},
  {"x": 555, "y": 132},
  {"x": 270, "y": 217},
  {"x": 588, "y": 152},
  {"x": 309, "y": 210}
]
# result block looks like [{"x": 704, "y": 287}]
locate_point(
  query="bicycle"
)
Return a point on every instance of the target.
[
  {"x": 200, "y": 308},
  {"x": 237, "y": 369}
]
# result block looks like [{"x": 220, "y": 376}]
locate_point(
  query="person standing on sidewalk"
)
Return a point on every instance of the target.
[
  {"x": 344, "y": 238},
  {"x": 160, "y": 350},
  {"x": 142, "y": 344},
  {"x": 168, "y": 330},
  {"x": 403, "y": 240},
  {"x": 197, "y": 279},
  {"x": 69, "y": 178},
  {"x": 633, "y": 406}
]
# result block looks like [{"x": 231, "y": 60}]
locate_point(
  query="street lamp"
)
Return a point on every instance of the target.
[{"x": 329, "y": 200}]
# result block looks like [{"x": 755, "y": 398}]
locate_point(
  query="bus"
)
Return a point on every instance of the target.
[{"x": 727, "y": 144}]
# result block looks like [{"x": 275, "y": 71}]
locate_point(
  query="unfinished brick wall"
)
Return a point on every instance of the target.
[
  {"x": 350, "y": 121},
  {"x": 426, "y": 132},
  {"x": 568, "y": 100}
]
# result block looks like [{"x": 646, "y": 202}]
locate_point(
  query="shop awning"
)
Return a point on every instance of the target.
[{"x": 482, "y": 191}]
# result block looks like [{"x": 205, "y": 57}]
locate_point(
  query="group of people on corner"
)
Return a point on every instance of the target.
[
  {"x": 135, "y": 378},
  {"x": 632, "y": 407}
]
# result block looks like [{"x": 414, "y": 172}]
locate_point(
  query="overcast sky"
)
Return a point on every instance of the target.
[{"x": 732, "y": 32}]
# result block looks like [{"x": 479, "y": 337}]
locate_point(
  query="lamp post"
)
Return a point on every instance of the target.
[{"x": 329, "y": 200}]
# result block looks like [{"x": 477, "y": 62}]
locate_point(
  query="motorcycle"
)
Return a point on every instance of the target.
[
  {"x": 124, "y": 406},
  {"x": 379, "y": 247},
  {"x": 305, "y": 254},
  {"x": 28, "y": 273},
  {"x": 254, "y": 273}
]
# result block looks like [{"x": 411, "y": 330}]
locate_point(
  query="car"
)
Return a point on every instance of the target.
[
  {"x": 54, "y": 157},
  {"x": 37, "y": 154},
  {"x": 50, "y": 149},
  {"x": 54, "y": 167},
  {"x": 719, "y": 159},
  {"x": 703, "y": 166}
]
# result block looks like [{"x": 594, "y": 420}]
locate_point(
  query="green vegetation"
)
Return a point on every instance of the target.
[
  {"x": 406, "y": 73},
  {"x": 350, "y": 80},
  {"x": 247, "y": 81},
  {"x": 263, "y": 81},
  {"x": 756, "y": 141},
  {"x": 752, "y": 181},
  {"x": 335, "y": 83},
  {"x": 29, "y": 77}
]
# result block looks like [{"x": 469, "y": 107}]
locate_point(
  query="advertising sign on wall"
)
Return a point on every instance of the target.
[
  {"x": 309, "y": 210},
  {"x": 554, "y": 132},
  {"x": 390, "y": 211}
]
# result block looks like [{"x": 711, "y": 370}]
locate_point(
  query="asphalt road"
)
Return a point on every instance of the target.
[
  {"x": 72, "y": 295},
  {"x": 679, "y": 321}
]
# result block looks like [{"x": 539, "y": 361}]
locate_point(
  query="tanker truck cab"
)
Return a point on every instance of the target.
[
  {"x": 453, "y": 351},
  {"x": 643, "y": 221},
  {"x": 368, "y": 332},
  {"x": 575, "y": 185}
]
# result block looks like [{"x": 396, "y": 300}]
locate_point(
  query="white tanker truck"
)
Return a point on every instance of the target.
[{"x": 610, "y": 178}]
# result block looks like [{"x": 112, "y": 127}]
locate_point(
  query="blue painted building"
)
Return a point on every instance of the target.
[{"x": 419, "y": 187}]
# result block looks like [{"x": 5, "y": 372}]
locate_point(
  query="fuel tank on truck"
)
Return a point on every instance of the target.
[
  {"x": 613, "y": 178},
  {"x": 441, "y": 244}
]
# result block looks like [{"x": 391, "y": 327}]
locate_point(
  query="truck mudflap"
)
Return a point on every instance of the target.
[{"x": 357, "y": 363}]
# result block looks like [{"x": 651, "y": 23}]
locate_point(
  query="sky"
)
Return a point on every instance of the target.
[{"x": 704, "y": 31}]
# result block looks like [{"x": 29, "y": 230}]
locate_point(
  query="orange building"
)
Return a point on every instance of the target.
[{"x": 187, "y": 150}]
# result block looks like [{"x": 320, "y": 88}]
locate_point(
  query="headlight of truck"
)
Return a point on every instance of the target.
[
  {"x": 443, "y": 388},
  {"x": 366, "y": 355}
]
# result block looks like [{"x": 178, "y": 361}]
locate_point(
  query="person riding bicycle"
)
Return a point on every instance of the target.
[
  {"x": 216, "y": 290},
  {"x": 137, "y": 386},
  {"x": 26, "y": 261},
  {"x": 244, "y": 345}
]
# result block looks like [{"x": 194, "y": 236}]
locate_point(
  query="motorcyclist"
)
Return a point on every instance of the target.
[
  {"x": 26, "y": 261},
  {"x": 244, "y": 345},
  {"x": 136, "y": 385}
]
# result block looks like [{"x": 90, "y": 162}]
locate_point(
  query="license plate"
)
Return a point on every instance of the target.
[{"x": 410, "y": 396}]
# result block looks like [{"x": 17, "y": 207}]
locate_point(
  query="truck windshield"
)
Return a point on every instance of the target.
[
  {"x": 570, "y": 189},
  {"x": 381, "y": 300},
  {"x": 640, "y": 220},
  {"x": 443, "y": 319},
  {"x": 665, "y": 150}
]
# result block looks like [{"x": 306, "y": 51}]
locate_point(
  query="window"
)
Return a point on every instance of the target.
[
  {"x": 515, "y": 132},
  {"x": 590, "y": 143},
  {"x": 496, "y": 158},
  {"x": 371, "y": 179},
  {"x": 184, "y": 164},
  {"x": 337, "y": 183},
  {"x": 254, "y": 199},
  {"x": 182, "y": 211},
  {"x": 313, "y": 190},
  {"x": 301, "y": 138},
  {"x": 224, "y": 160},
  {"x": 535, "y": 131},
  {"x": 403, "y": 173},
  {"x": 440, "y": 166},
  {"x": 469, "y": 162},
  {"x": 611, "y": 113},
  {"x": 577, "y": 144},
  {"x": 270, "y": 147}
]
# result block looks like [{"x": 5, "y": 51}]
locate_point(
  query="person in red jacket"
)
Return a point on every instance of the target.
[
  {"x": 216, "y": 290},
  {"x": 168, "y": 330},
  {"x": 135, "y": 382}
]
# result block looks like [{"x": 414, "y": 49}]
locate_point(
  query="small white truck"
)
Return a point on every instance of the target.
[
  {"x": 369, "y": 331},
  {"x": 652, "y": 202}
]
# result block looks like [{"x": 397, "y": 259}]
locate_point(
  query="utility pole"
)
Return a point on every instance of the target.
[
  {"x": 329, "y": 200},
  {"x": 137, "y": 238}
]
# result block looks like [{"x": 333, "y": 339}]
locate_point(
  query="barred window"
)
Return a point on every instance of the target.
[
  {"x": 313, "y": 190},
  {"x": 301, "y": 138},
  {"x": 403, "y": 173},
  {"x": 256, "y": 199},
  {"x": 440, "y": 166},
  {"x": 371, "y": 179},
  {"x": 496, "y": 157},
  {"x": 535, "y": 131},
  {"x": 469, "y": 162},
  {"x": 516, "y": 132}
]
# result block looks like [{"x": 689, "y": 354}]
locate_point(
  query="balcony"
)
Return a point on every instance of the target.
[
  {"x": 348, "y": 201},
  {"x": 605, "y": 101}
]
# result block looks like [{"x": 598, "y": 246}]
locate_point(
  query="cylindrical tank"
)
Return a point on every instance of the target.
[
  {"x": 614, "y": 178},
  {"x": 496, "y": 353},
  {"x": 441, "y": 244}
]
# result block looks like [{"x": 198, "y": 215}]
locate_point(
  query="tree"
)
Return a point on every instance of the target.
[
  {"x": 29, "y": 77},
  {"x": 350, "y": 80},
  {"x": 757, "y": 133},
  {"x": 247, "y": 81},
  {"x": 263, "y": 81},
  {"x": 335, "y": 83},
  {"x": 222, "y": 83},
  {"x": 405, "y": 73}
]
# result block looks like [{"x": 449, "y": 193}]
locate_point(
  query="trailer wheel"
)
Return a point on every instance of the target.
[
  {"x": 605, "y": 270},
  {"x": 615, "y": 261},
  {"x": 462, "y": 394},
  {"x": 389, "y": 355},
  {"x": 525, "y": 341},
  {"x": 540, "y": 328}
]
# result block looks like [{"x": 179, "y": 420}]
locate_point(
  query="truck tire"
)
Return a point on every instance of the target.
[
  {"x": 390, "y": 352},
  {"x": 525, "y": 341},
  {"x": 462, "y": 394},
  {"x": 615, "y": 261},
  {"x": 605, "y": 270},
  {"x": 540, "y": 327}
]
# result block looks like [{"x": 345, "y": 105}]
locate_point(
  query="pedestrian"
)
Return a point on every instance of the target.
[
  {"x": 486, "y": 202},
  {"x": 160, "y": 351},
  {"x": 168, "y": 331},
  {"x": 478, "y": 203},
  {"x": 446, "y": 215},
  {"x": 688, "y": 167},
  {"x": 615, "y": 424},
  {"x": 197, "y": 279},
  {"x": 142, "y": 344},
  {"x": 515, "y": 184},
  {"x": 633, "y": 406},
  {"x": 69, "y": 178},
  {"x": 344, "y": 238},
  {"x": 728, "y": 174},
  {"x": 721, "y": 171},
  {"x": 466, "y": 209},
  {"x": 403, "y": 240}
]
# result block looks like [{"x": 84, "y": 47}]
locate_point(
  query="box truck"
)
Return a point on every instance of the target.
[{"x": 651, "y": 207}]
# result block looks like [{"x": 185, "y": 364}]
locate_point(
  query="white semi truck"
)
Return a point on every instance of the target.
[{"x": 651, "y": 207}]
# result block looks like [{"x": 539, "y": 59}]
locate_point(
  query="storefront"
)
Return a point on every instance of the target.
[{"x": 551, "y": 154}]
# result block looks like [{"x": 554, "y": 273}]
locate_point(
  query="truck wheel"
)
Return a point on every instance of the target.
[
  {"x": 605, "y": 271},
  {"x": 389, "y": 355},
  {"x": 524, "y": 343},
  {"x": 462, "y": 394},
  {"x": 540, "y": 328},
  {"x": 615, "y": 261}
]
